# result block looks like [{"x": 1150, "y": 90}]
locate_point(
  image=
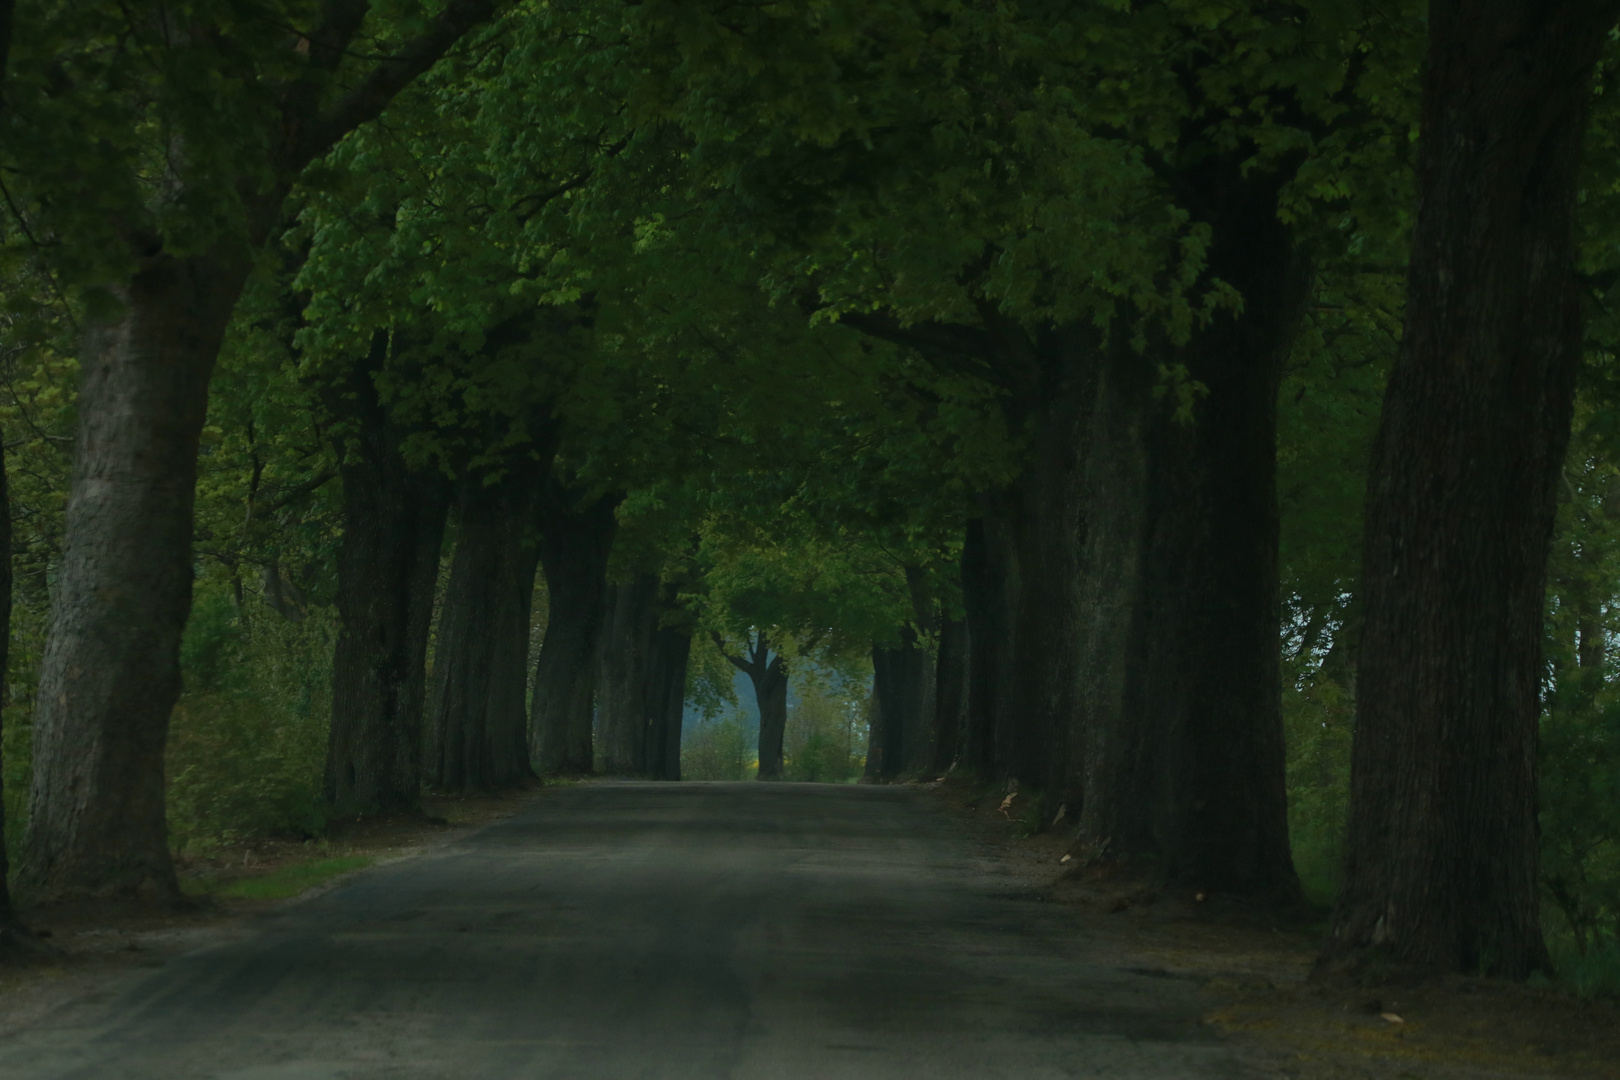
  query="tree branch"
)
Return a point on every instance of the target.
[
  {"x": 367, "y": 100},
  {"x": 297, "y": 491},
  {"x": 720, "y": 645},
  {"x": 959, "y": 350}
]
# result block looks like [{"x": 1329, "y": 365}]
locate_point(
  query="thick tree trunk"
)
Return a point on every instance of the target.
[
  {"x": 950, "y": 696},
  {"x": 10, "y": 928},
  {"x": 666, "y": 697},
  {"x": 1036, "y": 735},
  {"x": 478, "y": 730},
  {"x": 388, "y": 564},
  {"x": 902, "y": 708},
  {"x": 770, "y": 692},
  {"x": 111, "y": 670},
  {"x": 883, "y": 723},
  {"x": 989, "y": 593},
  {"x": 1441, "y": 866},
  {"x": 769, "y": 676},
  {"x": 625, "y": 667},
  {"x": 574, "y": 545},
  {"x": 1222, "y": 710},
  {"x": 1122, "y": 756},
  {"x": 1180, "y": 705}
]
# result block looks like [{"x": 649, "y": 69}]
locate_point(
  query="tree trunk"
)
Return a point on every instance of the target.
[
  {"x": 625, "y": 702},
  {"x": 1123, "y": 758},
  {"x": 388, "y": 565},
  {"x": 882, "y": 725},
  {"x": 950, "y": 696},
  {"x": 478, "y": 739},
  {"x": 1181, "y": 709},
  {"x": 574, "y": 545},
  {"x": 111, "y": 670},
  {"x": 902, "y": 698},
  {"x": 1034, "y": 737},
  {"x": 1217, "y": 522},
  {"x": 666, "y": 694},
  {"x": 769, "y": 676},
  {"x": 989, "y": 592},
  {"x": 1441, "y": 864},
  {"x": 10, "y": 927},
  {"x": 770, "y": 692}
]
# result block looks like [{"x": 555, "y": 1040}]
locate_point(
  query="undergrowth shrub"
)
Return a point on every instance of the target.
[
  {"x": 1594, "y": 973},
  {"x": 719, "y": 748},
  {"x": 247, "y": 741},
  {"x": 1318, "y": 715},
  {"x": 826, "y": 735},
  {"x": 1580, "y": 841}
]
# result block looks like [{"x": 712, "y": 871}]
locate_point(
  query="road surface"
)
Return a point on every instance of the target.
[{"x": 621, "y": 930}]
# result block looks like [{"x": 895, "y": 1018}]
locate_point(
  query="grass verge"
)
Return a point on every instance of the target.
[{"x": 279, "y": 882}]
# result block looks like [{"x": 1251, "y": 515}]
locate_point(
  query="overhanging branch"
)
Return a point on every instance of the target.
[{"x": 367, "y": 100}]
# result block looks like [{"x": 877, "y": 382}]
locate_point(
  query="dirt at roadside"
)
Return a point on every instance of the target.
[
  {"x": 1255, "y": 969},
  {"x": 88, "y": 950}
]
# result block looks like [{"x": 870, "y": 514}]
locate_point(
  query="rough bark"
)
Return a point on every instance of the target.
[
  {"x": 989, "y": 589},
  {"x": 641, "y": 681},
  {"x": 770, "y": 692},
  {"x": 388, "y": 564},
  {"x": 9, "y": 926},
  {"x": 1441, "y": 864},
  {"x": 950, "y": 696},
  {"x": 625, "y": 663},
  {"x": 1125, "y": 789},
  {"x": 1184, "y": 753},
  {"x": 769, "y": 676},
  {"x": 1037, "y": 728},
  {"x": 111, "y": 670},
  {"x": 575, "y": 540},
  {"x": 902, "y": 708},
  {"x": 666, "y": 694},
  {"x": 882, "y": 723},
  {"x": 477, "y": 725}
]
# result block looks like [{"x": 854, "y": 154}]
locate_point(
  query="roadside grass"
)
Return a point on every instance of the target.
[
  {"x": 280, "y": 882},
  {"x": 1589, "y": 976}
]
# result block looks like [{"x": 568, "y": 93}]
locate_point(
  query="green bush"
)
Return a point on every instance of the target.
[
  {"x": 722, "y": 748},
  {"x": 1580, "y": 827},
  {"x": 247, "y": 741},
  {"x": 1590, "y": 973},
  {"x": 824, "y": 741},
  {"x": 1317, "y": 718}
]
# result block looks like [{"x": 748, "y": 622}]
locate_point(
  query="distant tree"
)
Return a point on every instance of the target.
[{"x": 767, "y": 671}]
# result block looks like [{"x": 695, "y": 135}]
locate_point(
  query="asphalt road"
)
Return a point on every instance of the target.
[{"x": 618, "y": 931}]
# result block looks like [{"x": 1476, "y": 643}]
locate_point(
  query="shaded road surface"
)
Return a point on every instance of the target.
[{"x": 619, "y": 931}]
